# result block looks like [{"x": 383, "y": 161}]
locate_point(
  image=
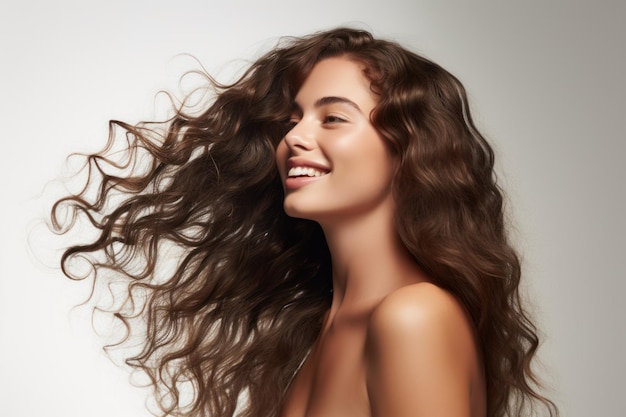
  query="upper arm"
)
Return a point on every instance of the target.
[{"x": 419, "y": 354}]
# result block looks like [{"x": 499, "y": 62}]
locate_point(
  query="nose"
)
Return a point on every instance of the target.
[{"x": 300, "y": 137}]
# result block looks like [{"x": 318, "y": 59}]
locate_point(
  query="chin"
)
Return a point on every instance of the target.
[
  {"x": 300, "y": 209},
  {"x": 292, "y": 210}
]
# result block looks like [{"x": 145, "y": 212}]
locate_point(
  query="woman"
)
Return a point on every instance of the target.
[{"x": 369, "y": 275}]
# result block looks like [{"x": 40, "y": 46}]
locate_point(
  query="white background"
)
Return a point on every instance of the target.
[{"x": 546, "y": 80}]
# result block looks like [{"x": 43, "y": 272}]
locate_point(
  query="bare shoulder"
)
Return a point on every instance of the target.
[
  {"x": 421, "y": 354},
  {"x": 417, "y": 308}
]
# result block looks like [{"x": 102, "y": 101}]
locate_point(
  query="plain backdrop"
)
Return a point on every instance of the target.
[{"x": 546, "y": 82}]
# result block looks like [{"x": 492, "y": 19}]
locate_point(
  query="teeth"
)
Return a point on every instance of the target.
[{"x": 304, "y": 171}]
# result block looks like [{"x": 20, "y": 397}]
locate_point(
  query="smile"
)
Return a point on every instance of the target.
[{"x": 300, "y": 171}]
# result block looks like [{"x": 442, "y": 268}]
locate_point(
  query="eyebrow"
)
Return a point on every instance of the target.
[{"x": 325, "y": 101}]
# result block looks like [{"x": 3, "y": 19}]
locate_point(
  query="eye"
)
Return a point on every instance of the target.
[
  {"x": 331, "y": 118},
  {"x": 290, "y": 124}
]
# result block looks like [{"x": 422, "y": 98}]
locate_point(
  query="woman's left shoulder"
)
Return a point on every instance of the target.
[
  {"x": 420, "y": 354},
  {"x": 422, "y": 319},
  {"x": 418, "y": 307}
]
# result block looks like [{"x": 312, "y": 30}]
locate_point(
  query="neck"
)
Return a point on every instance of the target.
[{"x": 369, "y": 261}]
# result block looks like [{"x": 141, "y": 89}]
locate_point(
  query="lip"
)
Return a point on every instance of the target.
[
  {"x": 299, "y": 162},
  {"x": 292, "y": 183}
]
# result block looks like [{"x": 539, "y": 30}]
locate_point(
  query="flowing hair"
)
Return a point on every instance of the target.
[{"x": 243, "y": 302}]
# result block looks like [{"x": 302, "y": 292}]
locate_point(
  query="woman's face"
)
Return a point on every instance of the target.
[{"x": 333, "y": 163}]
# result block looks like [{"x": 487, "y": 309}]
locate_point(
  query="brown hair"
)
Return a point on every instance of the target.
[{"x": 245, "y": 300}]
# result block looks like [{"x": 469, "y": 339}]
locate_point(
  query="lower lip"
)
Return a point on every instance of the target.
[{"x": 292, "y": 183}]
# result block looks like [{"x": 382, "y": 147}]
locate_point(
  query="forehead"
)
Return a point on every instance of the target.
[{"x": 337, "y": 77}]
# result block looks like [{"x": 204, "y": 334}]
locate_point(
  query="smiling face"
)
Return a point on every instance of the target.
[{"x": 333, "y": 163}]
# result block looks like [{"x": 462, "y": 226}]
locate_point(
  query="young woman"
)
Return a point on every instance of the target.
[{"x": 339, "y": 242}]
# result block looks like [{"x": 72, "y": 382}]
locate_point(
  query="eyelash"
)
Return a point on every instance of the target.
[
  {"x": 330, "y": 119},
  {"x": 333, "y": 119}
]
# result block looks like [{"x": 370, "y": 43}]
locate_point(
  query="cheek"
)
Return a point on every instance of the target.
[{"x": 366, "y": 154}]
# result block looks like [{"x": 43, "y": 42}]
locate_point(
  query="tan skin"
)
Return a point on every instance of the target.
[{"x": 392, "y": 343}]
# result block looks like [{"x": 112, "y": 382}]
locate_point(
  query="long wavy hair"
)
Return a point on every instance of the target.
[{"x": 228, "y": 292}]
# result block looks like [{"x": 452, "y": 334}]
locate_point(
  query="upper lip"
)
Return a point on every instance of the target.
[{"x": 299, "y": 162}]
